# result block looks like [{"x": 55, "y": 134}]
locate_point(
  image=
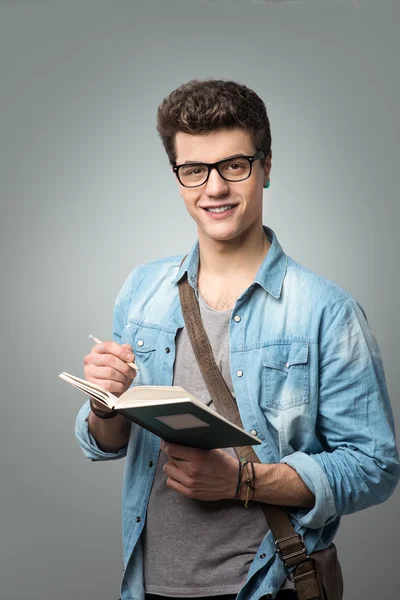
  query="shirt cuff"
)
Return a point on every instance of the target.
[
  {"x": 87, "y": 442},
  {"x": 324, "y": 509}
]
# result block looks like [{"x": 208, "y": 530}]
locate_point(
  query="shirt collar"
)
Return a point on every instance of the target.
[{"x": 270, "y": 275}]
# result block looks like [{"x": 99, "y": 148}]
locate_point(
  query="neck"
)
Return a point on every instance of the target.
[{"x": 240, "y": 257}]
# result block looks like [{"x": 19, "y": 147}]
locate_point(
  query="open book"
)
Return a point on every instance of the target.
[{"x": 171, "y": 413}]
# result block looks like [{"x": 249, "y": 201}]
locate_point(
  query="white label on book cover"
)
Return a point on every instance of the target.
[{"x": 185, "y": 421}]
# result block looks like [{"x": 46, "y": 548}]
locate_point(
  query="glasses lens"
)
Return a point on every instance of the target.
[
  {"x": 235, "y": 169},
  {"x": 192, "y": 175}
]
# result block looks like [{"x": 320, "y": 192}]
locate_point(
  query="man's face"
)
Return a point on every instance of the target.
[{"x": 246, "y": 197}]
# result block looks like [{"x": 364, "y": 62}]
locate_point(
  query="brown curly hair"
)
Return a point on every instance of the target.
[{"x": 201, "y": 106}]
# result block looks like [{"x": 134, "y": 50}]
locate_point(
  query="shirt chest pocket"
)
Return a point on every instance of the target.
[{"x": 286, "y": 374}]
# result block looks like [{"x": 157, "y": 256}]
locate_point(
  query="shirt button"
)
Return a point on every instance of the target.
[
  {"x": 287, "y": 365},
  {"x": 253, "y": 432},
  {"x": 167, "y": 350},
  {"x": 140, "y": 343},
  {"x": 239, "y": 373},
  {"x": 137, "y": 519},
  {"x": 237, "y": 318},
  {"x": 150, "y": 463},
  {"x": 263, "y": 555}
]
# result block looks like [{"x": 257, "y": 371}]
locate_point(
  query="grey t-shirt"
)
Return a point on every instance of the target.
[{"x": 196, "y": 547}]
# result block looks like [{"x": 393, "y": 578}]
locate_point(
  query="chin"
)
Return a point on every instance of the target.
[{"x": 221, "y": 236}]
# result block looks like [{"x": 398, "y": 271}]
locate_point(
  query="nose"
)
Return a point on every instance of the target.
[{"x": 216, "y": 185}]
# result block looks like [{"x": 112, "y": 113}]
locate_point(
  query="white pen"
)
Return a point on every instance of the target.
[{"x": 97, "y": 341}]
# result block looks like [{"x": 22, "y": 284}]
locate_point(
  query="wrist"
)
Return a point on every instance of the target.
[
  {"x": 280, "y": 484},
  {"x": 266, "y": 474},
  {"x": 103, "y": 412},
  {"x": 245, "y": 491}
]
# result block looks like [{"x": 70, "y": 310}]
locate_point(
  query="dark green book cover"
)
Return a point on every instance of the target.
[
  {"x": 171, "y": 413},
  {"x": 183, "y": 422}
]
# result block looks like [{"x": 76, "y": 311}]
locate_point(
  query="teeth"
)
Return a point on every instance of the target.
[{"x": 219, "y": 210}]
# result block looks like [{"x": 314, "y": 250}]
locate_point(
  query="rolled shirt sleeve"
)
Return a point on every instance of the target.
[
  {"x": 87, "y": 442},
  {"x": 359, "y": 464},
  {"x": 85, "y": 439},
  {"x": 324, "y": 509}
]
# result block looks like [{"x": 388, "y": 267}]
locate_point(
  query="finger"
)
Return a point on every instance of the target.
[
  {"x": 178, "y": 487},
  {"x": 173, "y": 471},
  {"x": 110, "y": 347},
  {"x": 108, "y": 373},
  {"x": 115, "y": 387},
  {"x": 182, "y": 452},
  {"x": 109, "y": 360}
]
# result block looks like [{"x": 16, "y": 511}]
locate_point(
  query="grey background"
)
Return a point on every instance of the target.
[{"x": 87, "y": 194}]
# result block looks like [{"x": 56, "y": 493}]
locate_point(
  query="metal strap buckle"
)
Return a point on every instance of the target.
[{"x": 293, "y": 554}]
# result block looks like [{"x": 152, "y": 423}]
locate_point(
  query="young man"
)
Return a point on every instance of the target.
[{"x": 294, "y": 348}]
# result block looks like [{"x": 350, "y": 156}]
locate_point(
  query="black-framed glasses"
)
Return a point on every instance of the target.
[{"x": 235, "y": 168}]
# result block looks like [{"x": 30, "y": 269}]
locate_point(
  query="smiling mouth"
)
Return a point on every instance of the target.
[{"x": 221, "y": 209}]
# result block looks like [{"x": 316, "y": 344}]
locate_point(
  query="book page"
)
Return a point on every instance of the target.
[
  {"x": 152, "y": 393},
  {"x": 93, "y": 390}
]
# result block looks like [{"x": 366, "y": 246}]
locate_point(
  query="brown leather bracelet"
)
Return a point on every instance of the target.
[{"x": 102, "y": 414}]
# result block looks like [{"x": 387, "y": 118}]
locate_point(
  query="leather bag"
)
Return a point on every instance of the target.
[{"x": 316, "y": 577}]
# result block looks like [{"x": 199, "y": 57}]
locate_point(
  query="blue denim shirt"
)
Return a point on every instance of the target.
[{"x": 308, "y": 377}]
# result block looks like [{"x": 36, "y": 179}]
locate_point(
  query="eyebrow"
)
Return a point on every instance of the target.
[{"x": 202, "y": 162}]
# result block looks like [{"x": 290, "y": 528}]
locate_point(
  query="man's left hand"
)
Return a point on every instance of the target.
[{"x": 200, "y": 474}]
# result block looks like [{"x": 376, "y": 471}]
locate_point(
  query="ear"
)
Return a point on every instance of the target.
[{"x": 268, "y": 162}]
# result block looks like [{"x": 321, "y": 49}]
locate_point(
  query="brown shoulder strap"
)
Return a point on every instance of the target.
[{"x": 289, "y": 544}]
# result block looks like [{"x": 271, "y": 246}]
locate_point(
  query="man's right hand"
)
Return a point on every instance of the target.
[{"x": 107, "y": 366}]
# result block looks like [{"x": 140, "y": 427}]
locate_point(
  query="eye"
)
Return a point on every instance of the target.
[
  {"x": 236, "y": 166},
  {"x": 193, "y": 171}
]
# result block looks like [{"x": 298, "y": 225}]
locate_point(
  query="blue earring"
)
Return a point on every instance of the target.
[{"x": 267, "y": 184}]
